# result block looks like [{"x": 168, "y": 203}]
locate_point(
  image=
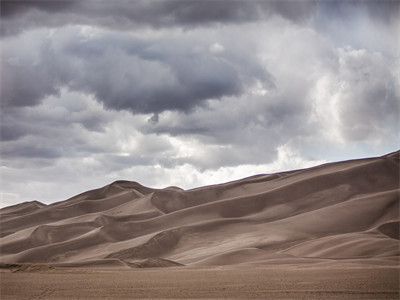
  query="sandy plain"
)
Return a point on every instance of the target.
[{"x": 283, "y": 282}]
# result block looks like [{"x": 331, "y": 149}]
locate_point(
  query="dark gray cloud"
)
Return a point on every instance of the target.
[
  {"x": 29, "y": 151},
  {"x": 66, "y": 126},
  {"x": 137, "y": 74},
  {"x": 23, "y": 85},
  {"x": 11, "y": 131},
  {"x": 10, "y": 8},
  {"x": 125, "y": 14}
]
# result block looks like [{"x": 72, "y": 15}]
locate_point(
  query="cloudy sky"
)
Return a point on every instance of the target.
[{"x": 189, "y": 92}]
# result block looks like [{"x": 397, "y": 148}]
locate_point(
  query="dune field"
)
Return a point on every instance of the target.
[{"x": 339, "y": 216}]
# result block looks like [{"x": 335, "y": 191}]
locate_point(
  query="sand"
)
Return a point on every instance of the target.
[
  {"x": 337, "y": 216},
  {"x": 205, "y": 283}
]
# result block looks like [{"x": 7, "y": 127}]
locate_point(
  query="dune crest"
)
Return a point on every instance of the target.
[{"x": 345, "y": 211}]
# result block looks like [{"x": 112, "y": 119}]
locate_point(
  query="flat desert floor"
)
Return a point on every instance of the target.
[{"x": 204, "y": 283}]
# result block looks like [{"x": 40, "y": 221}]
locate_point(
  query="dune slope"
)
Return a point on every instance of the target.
[{"x": 338, "y": 212}]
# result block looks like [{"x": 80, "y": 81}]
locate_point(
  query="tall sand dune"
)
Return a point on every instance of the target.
[{"x": 345, "y": 212}]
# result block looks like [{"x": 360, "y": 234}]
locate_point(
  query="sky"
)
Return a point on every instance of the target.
[{"x": 190, "y": 93}]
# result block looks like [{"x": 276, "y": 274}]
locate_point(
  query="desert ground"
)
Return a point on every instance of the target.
[
  {"x": 328, "y": 232},
  {"x": 284, "y": 282}
]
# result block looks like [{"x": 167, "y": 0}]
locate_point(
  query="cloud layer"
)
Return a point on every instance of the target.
[{"x": 190, "y": 92}]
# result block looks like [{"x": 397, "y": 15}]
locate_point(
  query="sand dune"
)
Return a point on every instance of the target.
[{"x": 339, "y": 212}]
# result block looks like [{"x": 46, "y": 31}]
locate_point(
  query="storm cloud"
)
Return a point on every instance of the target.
[
  {"x": 127, "y": 15},
  {"x": 144, "y": 74},
  {"x": 190, "y": 92}
]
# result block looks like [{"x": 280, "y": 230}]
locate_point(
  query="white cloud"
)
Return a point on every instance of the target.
[
  {"x": 355, "y": 102},
  {"x": 216, "y": 48}
]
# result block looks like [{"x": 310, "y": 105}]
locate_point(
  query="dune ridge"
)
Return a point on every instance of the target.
[{"x": 339, "y": 212}]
